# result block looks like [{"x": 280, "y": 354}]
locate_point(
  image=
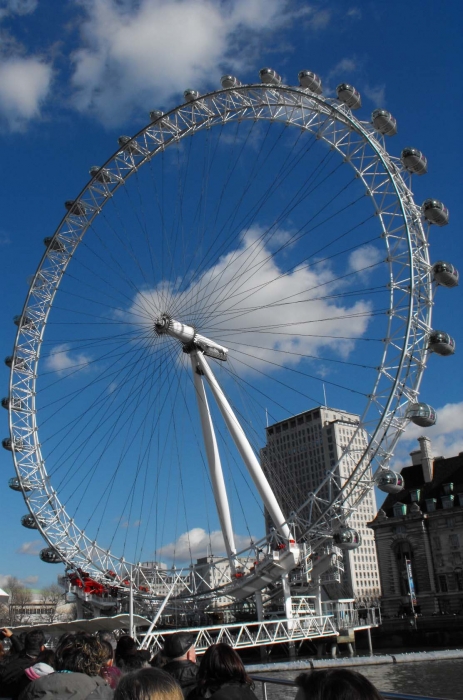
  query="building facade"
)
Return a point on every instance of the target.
[
  {"x": 299, "y": 453},
  {"x": 424, "y": 525}
]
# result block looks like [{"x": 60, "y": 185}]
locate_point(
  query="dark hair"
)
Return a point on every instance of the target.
[
  {"x": 33, "y": 642},
  {"x": 132, "y": 662},
  {"x": 108, "y": 651},
  {"x": 221, "y": 664},
  {"x": 47, "y": 656},
  {"x": 337, "y": 684},
  {"x": 79, "y": 652},
  {"x": 126, "y": 646},
  {"x": 148, "y": 684}
]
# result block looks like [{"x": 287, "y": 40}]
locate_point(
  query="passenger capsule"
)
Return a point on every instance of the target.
[
  {"x": 50, "y": 556},
  {"x": 191, "y": 95},
  {"x": 414, "y": 161},
  {"x": 100, "y": 174},
  {"x": 229, "y": 81},
  {"x": 15, "y": 485},
  {"x": 14, "y": 403},
  {"x": 54, "y": 244},
  {"x": 269, "y": 76},
  {"x": 445, "y": 274},
  {"x": 8, "y": 444},
  {"x": 130, "y": 146},
  {"x": 349, "y": 96},
  {"x": 75, "y": 208},
  {"x": 20, "y": 364},
  {"x": 435, "y": 212},
  {"x": 389, "y": 481},
  {"x": 384, "y": 122},
  {"x": 30, "y": 522},
  {"x": 347, "y": 538},
  {"x": 441, "y": 343},
  {"x": 422, "y": 414},
  {"x": 23, "y": 322},
  {"x": 311, "y": 81}
]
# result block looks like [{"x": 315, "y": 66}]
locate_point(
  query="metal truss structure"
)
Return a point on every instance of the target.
[{"x": 398, "y": 376}]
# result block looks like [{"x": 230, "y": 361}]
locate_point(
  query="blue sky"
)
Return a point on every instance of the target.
[{"x": 74, "y": 76}]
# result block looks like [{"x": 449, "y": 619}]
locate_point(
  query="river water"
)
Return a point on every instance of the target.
[{"x": 442, "y": 679}]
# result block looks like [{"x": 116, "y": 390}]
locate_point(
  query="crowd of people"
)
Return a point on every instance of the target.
[{"x": 96, "y": 667}]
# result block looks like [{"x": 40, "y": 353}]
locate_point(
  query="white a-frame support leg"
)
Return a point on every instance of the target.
[
  {"x": 215, "y": 467},
  {"x": 244, "y": 448}
]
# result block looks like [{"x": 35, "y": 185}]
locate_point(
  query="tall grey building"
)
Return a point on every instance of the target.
[{"x": 298, "y": 454}]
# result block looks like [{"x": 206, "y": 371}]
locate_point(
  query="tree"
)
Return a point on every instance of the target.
[
  {"x": 15, "y": 612},
  {"x": 52, "y": 596}
]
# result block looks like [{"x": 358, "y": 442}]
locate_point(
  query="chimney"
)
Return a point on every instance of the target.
[
  {"x": 427, "y": 461},
  {"x": 416, "y": 457}
]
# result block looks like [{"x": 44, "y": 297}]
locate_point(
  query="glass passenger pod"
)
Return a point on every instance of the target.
[
  {"x": 20, "y": 364},
  {"x": 349, "y": 96},
  {"x": 229, "y": 81},
  {"x": 441, "y": 343},
  {"x": 190, "y": 95},
  {"x": 30, "y": 522},
  {"x": 435, "y": 212},
  {"x": 100, "y": 174},
  {"x": 50, "y": 556},
  {"x": 26, "y": 322},
  {"x": 132, "y": 147},
  {"x": 53, "y": 244},
  {"x": 389, "y": 481},
  {"x": 422, "y": 414},
  {"x": 16, "y": 444},
  {"x": 15, "y": 485},
  {"x": 75, "y": 208},
  {"x": 384, "y": 122},
  {"x": 445, "y": 274},
  {"x": 414, "y": 161},
  {"x": 347, "y": 538},
  {"x": 15, "y": 403},
  {"x": 311, "y": 81},
  {"x": 268, "y": 76}
]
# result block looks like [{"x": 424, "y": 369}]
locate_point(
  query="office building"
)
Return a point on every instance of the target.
[{"x": 299, "y": 453}]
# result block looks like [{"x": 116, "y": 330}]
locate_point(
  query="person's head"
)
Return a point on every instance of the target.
[
  {"x": 47, "y": 656},
  {"x": 221, "y": 664},
  {"x": 106, "y": 636},
  {"x": 148, "y": 684},
  {"x": 108, "y": 652},
  {"x": 125, "y": 647},
  {"x": 80, "y": 653},
  {"x": 133, "y": 662},
  {"x": 2, "y": 650},
  {"x": 335, "y": 684},
  {"x": 180, "y": 646},
  {"x": 34, "y": 642}
]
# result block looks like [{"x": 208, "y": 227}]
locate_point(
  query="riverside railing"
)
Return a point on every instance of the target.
[{"x": 386, "y": 694}]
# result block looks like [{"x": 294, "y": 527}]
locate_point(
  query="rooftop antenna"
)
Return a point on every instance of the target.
[
  {"x": 266, "y": 416},
  {"x": 324, "y": 394}
]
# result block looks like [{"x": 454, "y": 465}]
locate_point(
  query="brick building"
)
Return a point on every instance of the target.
[{"x": 423, "y": 523}]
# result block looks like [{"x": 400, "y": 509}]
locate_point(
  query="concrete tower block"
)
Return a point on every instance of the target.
[{"x": 427, "y": 461}]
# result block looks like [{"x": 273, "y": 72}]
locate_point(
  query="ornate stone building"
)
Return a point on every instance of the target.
[{"x": 424, "y": 524}]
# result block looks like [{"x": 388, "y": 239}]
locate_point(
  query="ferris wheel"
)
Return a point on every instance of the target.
[{"x": 241, "y": 254}]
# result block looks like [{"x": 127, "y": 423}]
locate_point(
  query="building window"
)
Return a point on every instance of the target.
[
  {"x": 447, "y": 501},
  {"x": 454, "y": 540},
  {"x": 443, "y": 583},
  {"x": 450, "y": 522},
  {"x": 430, "y": 504},
  {"x": 436, "y": 543},
  {"x": 459, "y": 580},
  {"x": 415, "y": 495}
]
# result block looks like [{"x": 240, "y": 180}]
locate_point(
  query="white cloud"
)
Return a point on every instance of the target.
[
  {"x": 376, "y": 93},
  {"x": 364, "y": 259},
  {"x": 29, "y": 579},
  {"x": 24, "y": 85},
  {"x": 198, "y": 543},
  {"x": 61, "y": 360},
  {"x": 354, "y": 13},
  {"x": 446, "y": 436},
  {"x": 17, "y": 7},
  {"x": 32, "y": 548},
  {"x": 138, "y": 57},
  {"x": 241, "y": 300}
]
